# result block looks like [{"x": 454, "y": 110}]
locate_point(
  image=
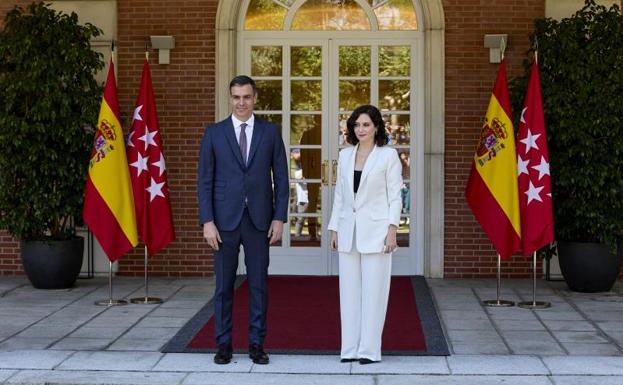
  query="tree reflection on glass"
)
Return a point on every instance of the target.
[
  {"x": 264, "y": 15},
  {"x": 306, "y": 61},
  {"x": 394, "y": 94},
  {"x": 327, "y": 15},
  {"x": 268, "y": 95},
  {"x": 266, "y": 61},
  {"x": 395, "y": 14},
  {"x": 354, "y": 61},
  {"x": 306, "y": 95},
  {"x": 330, "y": 15},
  {"x": 394, "y": 61},
  {"x": 354, "y": 93}
]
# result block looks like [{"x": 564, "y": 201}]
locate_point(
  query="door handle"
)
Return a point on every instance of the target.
[
  {"x": 323, "y": 172},
  {"x": 334, "y": 170}
]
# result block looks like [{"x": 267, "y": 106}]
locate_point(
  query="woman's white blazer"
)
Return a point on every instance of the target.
[{"x": 376, "y": 205}]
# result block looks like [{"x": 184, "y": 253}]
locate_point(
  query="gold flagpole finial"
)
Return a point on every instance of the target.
[
  {"x": 112, "y": 52},
  {"x": 536, "y": 49}
]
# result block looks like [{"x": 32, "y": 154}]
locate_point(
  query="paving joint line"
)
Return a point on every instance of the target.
[
  {"x": 587, "y": 319},
  {"x": 179, "y": 288},
  {"x": 495, "y": 326},
  {"x": 550, "y": 332}
]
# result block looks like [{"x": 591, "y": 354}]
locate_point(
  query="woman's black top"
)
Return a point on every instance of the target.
[{"x": 357, "y": 180}]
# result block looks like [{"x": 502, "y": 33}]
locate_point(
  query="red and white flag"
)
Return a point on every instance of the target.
[
  {"x": 535, "y": 192},
  {"x": 148, "y": 171}
]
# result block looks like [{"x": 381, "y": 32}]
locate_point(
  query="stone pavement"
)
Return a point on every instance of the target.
[{"x": 61, "y": 337}]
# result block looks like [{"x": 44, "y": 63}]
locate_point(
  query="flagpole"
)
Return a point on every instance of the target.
[
  {"x": 146, "y": 300},
  {"x": 112, "y": 53},
  {"x": 110, "y": 301},
  {"x": 534, "y": 304},
  {"x": 498, "y": 302}
]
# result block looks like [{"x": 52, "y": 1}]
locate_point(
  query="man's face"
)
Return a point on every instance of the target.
[{"x": 242, "y": 101}]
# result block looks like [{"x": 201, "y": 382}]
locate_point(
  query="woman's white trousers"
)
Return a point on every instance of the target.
[{"x": 364, "y": 292}]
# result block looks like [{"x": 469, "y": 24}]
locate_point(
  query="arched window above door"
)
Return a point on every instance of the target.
[{"x": 329, "y": 15}]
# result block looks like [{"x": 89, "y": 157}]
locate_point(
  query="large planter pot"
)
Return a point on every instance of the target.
[
  {"x": 52, "y": 264},
  {"x": 589, "y": 267}
]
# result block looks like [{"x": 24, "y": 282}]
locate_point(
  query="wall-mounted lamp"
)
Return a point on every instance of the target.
[
  {"x": 496, "y": 44},
  {"x": 163, "y": 44}
]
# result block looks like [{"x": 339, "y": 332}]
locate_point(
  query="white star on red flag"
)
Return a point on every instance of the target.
[
  {"x": 160, "y": 164},
  {"x": 149, "y": 182},
  {"x": 130, "y": 137},
  {"x": 155, "y": 189},
  {"x": 542, "y": 168},
  {"x": 137, "y": 114},
  {"x": 140, "y": 164},
  {"x": 148, "y": 138},
  {"x": 530, "y": 141},
  {"x": 522, "y": 166},
  {"x": 535, "y": 198},
  {"x": 533, "y": 193}
]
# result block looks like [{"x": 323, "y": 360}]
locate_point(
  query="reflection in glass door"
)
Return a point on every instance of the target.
[
  {"x": 378, "y": 73},
  {"x": 292, "y": 88},
  {"x": 309, "y": 88},
  {"x": 306, "y": 139},
  {"x": 315, "y": 61}
]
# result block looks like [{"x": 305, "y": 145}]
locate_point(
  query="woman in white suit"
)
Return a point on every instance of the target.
[{"x": 363, "y": 225}]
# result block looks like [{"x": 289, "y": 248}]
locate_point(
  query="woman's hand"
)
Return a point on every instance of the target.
[
  {"x": 390, "y": 240},
  {"x": 333, "y": 240}
]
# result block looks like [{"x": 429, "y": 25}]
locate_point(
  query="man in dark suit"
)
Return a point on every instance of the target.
[{"x": 241, "y": 158}]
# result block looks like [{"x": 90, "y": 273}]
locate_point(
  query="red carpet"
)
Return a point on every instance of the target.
[{"x": 303, "y": 316}]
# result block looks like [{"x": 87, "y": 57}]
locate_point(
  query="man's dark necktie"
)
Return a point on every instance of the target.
[{"x": 243, "y": 143}]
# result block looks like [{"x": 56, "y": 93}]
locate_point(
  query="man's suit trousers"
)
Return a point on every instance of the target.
[{"x": 256, "y": 248}]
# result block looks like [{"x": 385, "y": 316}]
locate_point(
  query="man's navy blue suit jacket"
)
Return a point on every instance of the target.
[{"x": 225, "y": 185}]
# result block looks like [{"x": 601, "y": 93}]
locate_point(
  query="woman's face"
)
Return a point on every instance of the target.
[{"x": 364, "y": 129}]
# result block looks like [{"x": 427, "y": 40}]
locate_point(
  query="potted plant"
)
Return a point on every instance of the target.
[
  {"x": 49, "y": 98},
  {"x": 581, "y": 68}
]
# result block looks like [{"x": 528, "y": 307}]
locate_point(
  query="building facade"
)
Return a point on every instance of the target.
[{"x": 423, "y": 62}]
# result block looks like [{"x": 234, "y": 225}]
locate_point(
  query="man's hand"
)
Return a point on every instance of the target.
[
  {"x": 211, "y": 235},
  {"x": 275, "y": 230}
]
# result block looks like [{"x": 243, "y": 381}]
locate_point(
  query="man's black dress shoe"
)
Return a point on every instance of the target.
[
  {"x": 344, "y": 360},
  {"x": 223, "y": 355},
  {"x": 366, "y": 361},
  {"x": 258, "y": 355}
]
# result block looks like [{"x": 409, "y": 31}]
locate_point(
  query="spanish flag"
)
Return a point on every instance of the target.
[
  {"x": 108, "y": 202},
  {"x": 492, "y": 191}
]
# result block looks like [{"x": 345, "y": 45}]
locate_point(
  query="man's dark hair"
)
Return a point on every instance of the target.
[
  {"x": 243, "y": 80},
  {"x": 380, "y": 135}
]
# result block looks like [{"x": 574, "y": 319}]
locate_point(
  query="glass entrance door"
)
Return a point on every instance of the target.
[{"x": 309, "y": 87}]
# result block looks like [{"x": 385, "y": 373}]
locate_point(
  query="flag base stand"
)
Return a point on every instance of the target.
[
  {"x": 110, "y": 301},
  {"x": 534, "y": 304},
  {"x": 146, "y": 300},
  {"x": 497, "y": 302}
]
